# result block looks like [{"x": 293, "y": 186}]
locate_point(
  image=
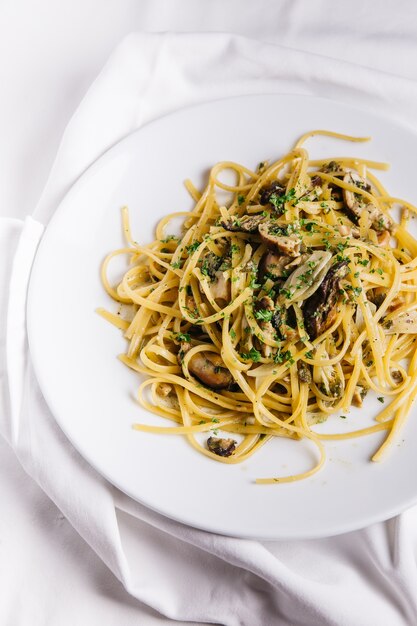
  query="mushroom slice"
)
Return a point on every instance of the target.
[
  {"x": 397, "y": 376},
  {"x": 304, "y": 372},
  {"x": 272, "y": 265},
  {"x": 275, "y": 266},
  {"x": 220, "y": 288},
  {"x": 221, "y": 447},
  {"x": 356, "y": 203},
  {"x": 316, "y": 181},
  {"x": 209, "y": 368},
  {"x": 210, "y": 264},
  {"x": 333, "y": 168},
  {"x": 284, "y": 322},
  {"x": 266, "y": 192},
  {"x": 359, "y": 395},
  {"x": 320, "y": 309},
  {"x": 295, "y": 262},
  {"x": 279, "y": 239},
  {"x": 245, "y": 224},
  {"x": 332, "y": 385}
]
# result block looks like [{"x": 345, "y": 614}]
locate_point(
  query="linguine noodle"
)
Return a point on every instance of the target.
[{"x": 276, "y": 309}]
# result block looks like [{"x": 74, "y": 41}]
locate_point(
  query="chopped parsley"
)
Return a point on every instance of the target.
[
  {"x": 355, "y": 290},
  {"x": 253, "y": 284},
  {"x": 286, "y": 292},
  {"x": 240, "y": 200},
  {"x": 252, "y": 355},
  {"x": 342, "y": 246},
  {"x": 181, "y": 337},
  {"x": 279, "y": 201},
  {"x": 282, "y": 357},
  {"x": 192, "y": 247},
  {"x": 264, "y": 315}
]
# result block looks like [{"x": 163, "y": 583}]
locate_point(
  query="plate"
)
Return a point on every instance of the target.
[{"x": 92, "y": 395}]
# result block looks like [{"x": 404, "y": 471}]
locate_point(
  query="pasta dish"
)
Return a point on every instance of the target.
[{"x": 288, "y": 295}]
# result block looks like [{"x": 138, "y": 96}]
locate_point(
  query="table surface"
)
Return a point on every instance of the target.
[{"x": 51, "y": 52}]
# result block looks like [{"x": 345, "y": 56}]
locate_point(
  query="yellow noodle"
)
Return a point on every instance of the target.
[{"x": 204, "y": 297}]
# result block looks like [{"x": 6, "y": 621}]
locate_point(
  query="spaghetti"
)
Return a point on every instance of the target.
[{"x": 276, "y": 309}]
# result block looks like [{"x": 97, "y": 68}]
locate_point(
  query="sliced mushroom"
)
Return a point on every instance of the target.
[
  {"x": 333, "y": 168},
  {"x": 397, "y": 376},
  {"x": 337, "y": 171},
  {"x": 275, "y": 266},
  {"x": 332, "y": 386},
  {"x": 221, "y": 447},
  {"x": 356, "y": 203},
  {"x": 304, "y": 372},
  {"x": 295, "y": 262},
  {"x": 349, "y": 231},
  {"x": 284, "y": 322},
  {"x": 272, "y": 265},
  {"x": 377, "y": 296},
  {"x": 209, "y": 368},
  {"x": 245, "y": 224},
  {"x": 275, "y": 238},
  {"x": 320, "y": 309},
  {"x": 359, "y": 395},
  {"x": 266, "y": 192},
  {"x": 210, "y": 264},
  {"x": 316, "y": 181},
  {"x": 220, "y": 288}
]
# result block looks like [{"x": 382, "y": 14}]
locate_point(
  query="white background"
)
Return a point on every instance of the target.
[{"x": 50, "y": 54}]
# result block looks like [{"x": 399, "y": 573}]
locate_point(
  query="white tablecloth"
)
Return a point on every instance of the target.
[{"x": 51, "y": 52}]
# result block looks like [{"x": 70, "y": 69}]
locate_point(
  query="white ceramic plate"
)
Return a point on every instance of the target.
[{"x": 92, "y": 395}]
